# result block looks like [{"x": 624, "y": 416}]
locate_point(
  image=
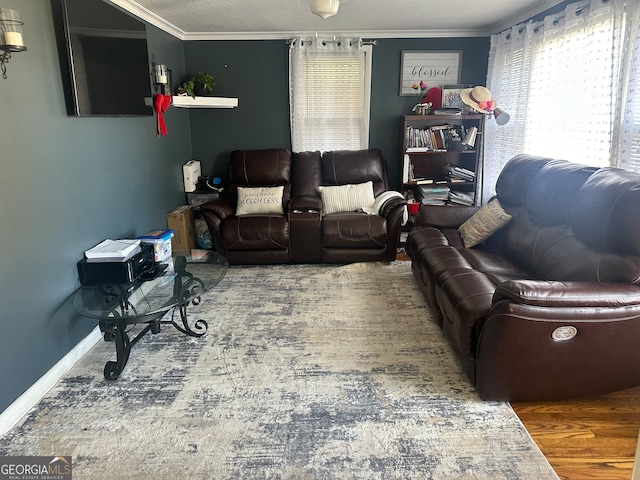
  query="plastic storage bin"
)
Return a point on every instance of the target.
[{"x": 161, "y": 241}]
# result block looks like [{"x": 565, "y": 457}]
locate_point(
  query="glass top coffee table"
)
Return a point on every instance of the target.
[{"x": 188, "y": 275}]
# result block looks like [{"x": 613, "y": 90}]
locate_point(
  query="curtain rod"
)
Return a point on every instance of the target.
[
  {"x": 556, "y": 18},
  {"x": 291, "y": 41}
]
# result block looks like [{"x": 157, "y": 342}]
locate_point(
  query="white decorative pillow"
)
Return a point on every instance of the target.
[
  {"x": 347, "y": 198},
  {"x": 256, "y": 200},
  {"x": 485, "y": 222}
]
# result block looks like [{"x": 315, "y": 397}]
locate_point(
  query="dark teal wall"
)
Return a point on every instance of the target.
[
  {"x": 66, "y": 184},
  {"x": 257, "y": 73}
]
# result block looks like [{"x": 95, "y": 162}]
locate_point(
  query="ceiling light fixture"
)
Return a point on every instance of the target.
[{"x": 324, "y": 8}]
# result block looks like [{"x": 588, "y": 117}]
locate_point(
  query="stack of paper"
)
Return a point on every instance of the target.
[{"x": 113, "y": 251}]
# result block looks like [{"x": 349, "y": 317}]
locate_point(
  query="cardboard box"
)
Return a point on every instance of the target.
[{"x": 181, "y": 221}]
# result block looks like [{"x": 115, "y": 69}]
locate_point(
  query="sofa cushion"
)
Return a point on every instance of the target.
[
  {"x": 553, "y": 191},
  {"x": 260, "y": 168},
  {"x": 347, "y": 198},
  {"x": 354, "y": 230},
  {"x": 605, "y": 211},
  {"x": 517, "y": 176},
  {"x": 464, "y": 296},
  {"x": 261, "y": 232},
  {"x": 341, "y": 167},
  {"x": 256, "y": 200},
  {"x": 484, "y": 223}
]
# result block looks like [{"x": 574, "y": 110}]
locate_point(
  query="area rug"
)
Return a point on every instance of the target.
[{"x": 306, "y": 372}]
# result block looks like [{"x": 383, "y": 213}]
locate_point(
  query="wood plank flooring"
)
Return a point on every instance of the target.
[{"x": 592, "y": 438}]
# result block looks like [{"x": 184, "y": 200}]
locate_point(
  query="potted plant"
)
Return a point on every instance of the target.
[{"x": 199, "y": 84}]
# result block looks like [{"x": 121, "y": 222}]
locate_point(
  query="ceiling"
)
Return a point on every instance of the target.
[{"x": 280, "y": 19}]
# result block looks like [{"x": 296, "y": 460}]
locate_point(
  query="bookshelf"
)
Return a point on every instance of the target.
[{"x": 436, "y": 166}]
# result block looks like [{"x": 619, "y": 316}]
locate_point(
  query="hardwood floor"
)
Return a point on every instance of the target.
[{"x": 593, "y": 438}]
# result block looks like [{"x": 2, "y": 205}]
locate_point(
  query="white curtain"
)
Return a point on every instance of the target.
[
  {"x": 328, "y": 94},
  {"x": 561, "y": 80},
  {"x": 628, "y": 152}
]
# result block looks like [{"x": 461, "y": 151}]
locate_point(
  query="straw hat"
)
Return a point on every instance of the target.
[{"x": 479, "y": 98}]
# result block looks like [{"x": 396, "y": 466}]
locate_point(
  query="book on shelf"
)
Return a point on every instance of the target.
[
  {"x": 406, "y": 163},
  {"x": 417, "y": 149},
  {"x": 436, "y": 138},
  {"x": 461, "y": 198},
  {"x": 424, "y": 181},
  {"x": 459, "y": 173}
]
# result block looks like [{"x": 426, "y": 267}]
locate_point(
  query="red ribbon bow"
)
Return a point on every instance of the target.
[{"x": 161, "y": 104}]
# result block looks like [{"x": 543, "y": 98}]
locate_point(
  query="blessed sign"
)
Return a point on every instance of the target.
[{"x": 435, "y": 68}]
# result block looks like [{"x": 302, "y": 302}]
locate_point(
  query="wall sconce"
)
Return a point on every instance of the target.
[
  {"x": 162, "y": 78},
  {"x": 11, "y": 39}
]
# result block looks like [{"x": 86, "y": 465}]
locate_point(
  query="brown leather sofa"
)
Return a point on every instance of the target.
[
  {"x": 302, "y": 233},
  {"x": 548, "y": 307}
]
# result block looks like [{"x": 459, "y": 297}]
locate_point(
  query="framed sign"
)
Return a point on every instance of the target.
[
  {"x": 433, "y": 67},
  {"x": 451, "y": 95}
]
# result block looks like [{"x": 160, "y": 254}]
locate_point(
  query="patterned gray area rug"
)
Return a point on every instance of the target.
[{"x": 306, "y": 372}]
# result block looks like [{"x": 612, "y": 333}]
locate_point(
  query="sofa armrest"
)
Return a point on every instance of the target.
[
  {"x": 443, "y": 216},
  {"x": 306, "y": 203},
  {"x": 542, "y": 293},
  {"x": 221, "y": 207},
  {"x": 392, "y": 204}
]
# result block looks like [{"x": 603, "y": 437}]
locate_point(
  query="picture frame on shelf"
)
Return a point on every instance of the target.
[
  {"x": 451, "y": 95},
  {"x": 433, "y": 67}
]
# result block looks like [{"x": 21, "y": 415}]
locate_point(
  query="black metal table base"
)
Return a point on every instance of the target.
[{"x": 115, "y": 330}]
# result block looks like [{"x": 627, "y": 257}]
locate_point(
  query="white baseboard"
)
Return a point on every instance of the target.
[{"x": 28, "y": 399}]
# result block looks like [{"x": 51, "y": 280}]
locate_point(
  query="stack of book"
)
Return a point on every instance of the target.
[
  {"x": 432, "y": 194},
  {"x": 458, "y": 173},
  {"x": 461, "y": 198}
]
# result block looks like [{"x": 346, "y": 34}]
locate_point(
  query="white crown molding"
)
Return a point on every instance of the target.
[
  {"x": 363, "y": 34},
  {"x": 149, "y": 17}
]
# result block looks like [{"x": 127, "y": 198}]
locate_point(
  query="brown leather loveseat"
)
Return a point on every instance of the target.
[
  {"x": 548, "y": 307},
  {"x": 303, "y": 228}
]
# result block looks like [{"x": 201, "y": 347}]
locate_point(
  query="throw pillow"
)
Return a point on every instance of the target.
[
  {"x": 347, "y": 198},
  {"x": 256, "y": 200},
  {"x": 485, "y": 222}
]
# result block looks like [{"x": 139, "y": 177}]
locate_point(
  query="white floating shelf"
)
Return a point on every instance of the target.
[
  {"x": 199, "y": 102},
  {"x": 204, "y": 102}
]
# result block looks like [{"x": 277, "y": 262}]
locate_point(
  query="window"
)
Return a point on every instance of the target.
[
  {"x": 329, "y": 94},
  {"x": 629, "y": 144},
  {"x": 572, "y": 86}
]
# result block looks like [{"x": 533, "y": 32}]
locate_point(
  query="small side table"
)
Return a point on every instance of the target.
[{"x": 190, "y": 273}]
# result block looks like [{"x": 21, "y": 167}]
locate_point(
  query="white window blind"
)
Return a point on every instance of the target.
[
  {"x": 568, "y": 83},
  {"x": 329, "y": 94},
  {"x": 571, "y": 92},
  {"x": 629, "y": 144}
]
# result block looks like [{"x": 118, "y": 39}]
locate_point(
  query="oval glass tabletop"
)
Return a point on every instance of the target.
[{"x": 189, "y": 274}]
